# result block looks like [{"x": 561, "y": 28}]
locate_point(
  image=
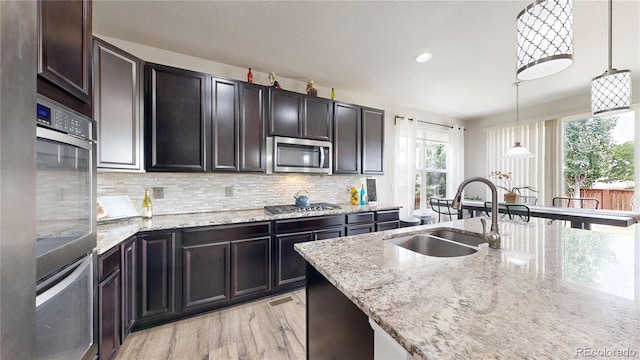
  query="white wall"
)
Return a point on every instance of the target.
[{"x": 391, "y": 109}]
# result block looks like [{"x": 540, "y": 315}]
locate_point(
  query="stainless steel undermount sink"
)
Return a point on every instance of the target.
[{"x": 440, "y": 243}]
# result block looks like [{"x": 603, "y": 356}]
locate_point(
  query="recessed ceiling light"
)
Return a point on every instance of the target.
[{"x": 424, "y": 57}]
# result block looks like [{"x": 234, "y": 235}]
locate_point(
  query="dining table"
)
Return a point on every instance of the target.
[{"x": 578, "y": 217}]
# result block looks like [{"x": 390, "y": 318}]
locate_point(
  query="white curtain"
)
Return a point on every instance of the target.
[
  {"x": 405, "y": 166},
  {"x": 455, "y": 160},
  {"x": 537, "y": 172}
]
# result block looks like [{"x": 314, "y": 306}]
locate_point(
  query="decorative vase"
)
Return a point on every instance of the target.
[{"x": 511, "y": 197}]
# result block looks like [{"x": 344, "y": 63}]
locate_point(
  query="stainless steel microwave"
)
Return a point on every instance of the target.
[{"x": 292, "y": 155}]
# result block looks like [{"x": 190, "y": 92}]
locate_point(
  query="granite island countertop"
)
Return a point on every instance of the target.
[
  {"x": 113, "y": 233},
  {"x": 551, "y": 292}
]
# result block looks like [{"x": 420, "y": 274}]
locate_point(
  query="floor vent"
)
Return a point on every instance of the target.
[{"x": 281, "y": 301}]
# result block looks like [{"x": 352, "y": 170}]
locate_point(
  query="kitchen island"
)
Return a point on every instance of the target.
[{"x": 551, "y": 292}]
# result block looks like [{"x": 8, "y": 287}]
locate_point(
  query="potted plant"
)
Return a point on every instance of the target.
[{"x": 512, "y": 194}]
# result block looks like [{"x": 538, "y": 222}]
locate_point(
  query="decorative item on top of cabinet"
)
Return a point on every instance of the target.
[
  {"x": 175, "y": 119},
  {"x": 250, "y": 77},
  {"x": 273, "y": 82},
  {"x": 311, "y": 89},
  {"x": 118, "y": 108},
  {"x": 64, "y": 53}
]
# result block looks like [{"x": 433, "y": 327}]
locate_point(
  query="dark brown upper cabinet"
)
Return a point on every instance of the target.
[
  {"x": 176, "y": 119},
  {"x": 299, "y": 116},
  {"x": 237, "y": 126},
  {"x": 224, "y": 125},
  {"x": 346, "y": 138},
  {"x": 358, "y": 140},
  {"x": 316, "y": 119},
  {"x": 64, "y": 52},
  {"x": 285, "y": 112},
  {"x": 118, "y": 109},
  {"x": 372, "y": 141},
  {"x": 252, "y": 146}
]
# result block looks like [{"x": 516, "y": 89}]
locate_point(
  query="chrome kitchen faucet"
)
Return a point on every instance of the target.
[{"x": 493, "y": 237}]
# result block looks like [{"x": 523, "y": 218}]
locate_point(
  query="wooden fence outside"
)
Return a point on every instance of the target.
[{"x": 610, "y": 199}]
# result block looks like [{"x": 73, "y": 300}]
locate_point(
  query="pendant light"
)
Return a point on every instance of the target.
[
  {"x": 518, "y": 151},
  {"x": 544, "y": 44},
  {"x": 611, "y": 91}
]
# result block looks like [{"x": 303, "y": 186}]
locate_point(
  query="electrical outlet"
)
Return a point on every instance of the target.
[
  {"x": 158, "y": 193},
  {"x": 229, "y": 190}
]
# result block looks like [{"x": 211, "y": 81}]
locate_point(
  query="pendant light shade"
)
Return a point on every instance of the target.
[
  {"x": 611, "y": 91},
  {"x": 518, "y": 151},
  {"x": 545, "y": 39}
]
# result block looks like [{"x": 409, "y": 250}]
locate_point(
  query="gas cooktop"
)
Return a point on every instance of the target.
[{"x": 286, "y": 209}]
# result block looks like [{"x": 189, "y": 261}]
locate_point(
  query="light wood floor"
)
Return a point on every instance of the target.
[{"x": 253, "y": 330}]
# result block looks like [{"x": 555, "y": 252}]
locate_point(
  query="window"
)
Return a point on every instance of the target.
[
  {"x": 431, "y": 171},
  {"x": 598, "y": 159}
]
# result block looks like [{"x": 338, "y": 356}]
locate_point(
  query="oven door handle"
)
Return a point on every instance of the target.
[
  {"x": 44, "y": 133},
  {"x": 62, "y": 282}
]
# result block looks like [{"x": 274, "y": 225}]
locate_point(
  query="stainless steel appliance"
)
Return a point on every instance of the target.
[
  {"x": 287, "y": 209},
  {"x": 65, "y": 232},
  {"x": 292, "y": 155}
]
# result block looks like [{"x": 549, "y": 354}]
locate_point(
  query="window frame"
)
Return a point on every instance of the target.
[{"x": 422, "y": 170}]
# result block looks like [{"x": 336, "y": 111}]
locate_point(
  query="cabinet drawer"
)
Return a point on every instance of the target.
[
  {"x": 226, "y": 233},
  {"x": 360, "y": 229},
  {"x": 108, "y": 263},
  {"x": 360, "y": 218},
  {"x": 387, "y": 215},
  {"x": 316, "y": 223},
  {"x": 388, "y": 225}
]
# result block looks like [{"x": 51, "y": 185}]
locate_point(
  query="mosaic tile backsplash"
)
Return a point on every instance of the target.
[{"x": 190, "y": 193}]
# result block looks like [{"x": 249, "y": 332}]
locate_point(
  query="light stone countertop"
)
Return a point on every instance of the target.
[
  {"x": 112, "y": 233},
  {"x": 551, "y": 292}
]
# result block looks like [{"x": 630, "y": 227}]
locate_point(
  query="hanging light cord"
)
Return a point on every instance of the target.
[
  {"x": 610, "y": 34},
  {"x": 517, "y": 84}
]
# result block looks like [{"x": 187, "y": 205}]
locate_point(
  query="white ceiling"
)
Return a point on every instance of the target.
[{"x": 370, "y": 47}]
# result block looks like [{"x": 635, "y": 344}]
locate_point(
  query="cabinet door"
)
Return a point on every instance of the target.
[
  {"x": 372, "y": 141},
  {"x": 109, "y": 316},
  {"x": 128, "y": 273},
  {"x": 285, "y": 110},
  {"x": 316, "y": 121},
  {"x": 64, "y": 55},
  {"x": 157, "y": 280},
  {"x": 224, "y": 124},
  {"x": 206, "y": 273},
  {"x": 388, "y": 225},
  {"x": 290, "y": 266},
  {"x": 252, "y": 156},
  {"x": 328, "y": 233},
  {"x": 346, "y": 139},
  {"x": 117, "y": 107},
  {"x": 176, "y": 121},
  {"x": 250, "y": 266}
]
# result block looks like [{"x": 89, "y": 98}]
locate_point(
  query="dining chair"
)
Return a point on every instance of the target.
[
  {"x": 569, "y": 202},
  {"x": 443, "y": 207},
  {"x": 513, "y": 211},
  {"x": 528, "y": 199}
]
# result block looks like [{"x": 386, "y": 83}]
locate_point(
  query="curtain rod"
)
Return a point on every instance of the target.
[{"x": 395, "y": 120}]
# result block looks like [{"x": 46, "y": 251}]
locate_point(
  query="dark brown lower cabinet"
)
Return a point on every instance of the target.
[
  {"x": 336, "y": 328},
  {"x": 388, "y": 225},
  {"x": 290, "y": 266},
  {"x": 109, "y": 316},
  {"x": 206, "y": 275},
  {"x": 328, "y": 233},
  {"x": 129, "y": 273},
  {"x": 360, "y": 229},
  {"x": 250, "y": 266},
  {"x": 157, "y": 280}
]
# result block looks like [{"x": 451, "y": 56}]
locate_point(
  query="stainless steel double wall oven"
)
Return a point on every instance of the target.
[{"x": 65, "y": 233}]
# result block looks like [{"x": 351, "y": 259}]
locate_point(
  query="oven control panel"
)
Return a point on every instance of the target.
[{"x": 58, "y": 118}]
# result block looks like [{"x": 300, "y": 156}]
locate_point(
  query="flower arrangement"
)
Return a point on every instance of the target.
[{"x": 504, "y": 182}]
